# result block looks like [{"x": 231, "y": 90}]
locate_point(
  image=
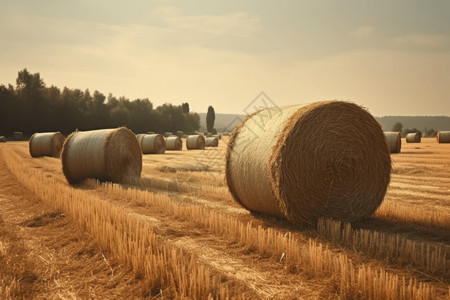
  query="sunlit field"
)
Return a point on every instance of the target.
[{"x": 176, "y": 233}]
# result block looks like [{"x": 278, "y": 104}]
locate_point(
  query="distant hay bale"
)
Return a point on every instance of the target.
[
  {"x": 139, "y": 138},
  {"x": 151, "y": 132},
  {"x": 152, "y": 143},
  {"x": 174, "y": 143},
  {"x": 195, "y": 142},
  {"x": 167, "y": 134},
  {"x": 325, "y": 159},
  {"x": 185, "y": 167},
  {"x": 107, "y": 154},
  {"x": 211, "y": 142},
  {"x": 2, "y": 139},
  {"x": 179, "y": 134},
  {"x": 413, "y": 137},
  {"x": 46, "y": 144},
  {"x": 443, "y": 136},
  {"x": 18, "y": 136},
  {"x": 393, "y": 141}
]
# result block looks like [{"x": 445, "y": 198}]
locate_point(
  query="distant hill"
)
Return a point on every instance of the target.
[
  {"x": 419, "y": 122},
  {"x": 223, "y": 122},
  {"x": 227, "y": 122}
]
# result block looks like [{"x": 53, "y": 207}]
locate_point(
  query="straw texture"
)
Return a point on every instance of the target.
[
  {"x": 152, "y": 143},
  {"x": 195, "y": 142},
  {"x": 185, "y": 167},
  {"x": 413, "y": 137},
  {"x": 174, "y": 143},
  {"x": 107, "y": 154},
  {"x": 212, "y": 142},
  {"x": 46, "y": 144},
  {"x": 443, "y": 136},
  {"x": 2, "y": 139},
  {"x": 393, "y": 141},
  {"x": 326, "y": 159}
]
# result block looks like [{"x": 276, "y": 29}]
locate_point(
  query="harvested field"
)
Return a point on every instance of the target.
[{"x": 179, "y": 234}]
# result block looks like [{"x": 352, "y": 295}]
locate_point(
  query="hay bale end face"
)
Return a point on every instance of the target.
[
  {"x": 107, "y": 155},
  {"x": 46, "y": 144},
  {"x": 195, "y": 142},
  {"x": 2, "y": 139},
  {"x": 152, "y": 144},
  {"x": 393, "y": 141},
  {"x": 326, "y": 159},
  {"x": 443, "y": 136},
  {"x": 174, "y": 143},
  {"x": 211, "y": 142},
  {"x": 413, "y": 137}
]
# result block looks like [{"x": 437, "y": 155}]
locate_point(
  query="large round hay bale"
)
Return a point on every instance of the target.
[
  {"x": 107, "y": 154},
  {"x": 152, "y": 144},
  {"x": 413, "y": 137},
  {"x": 174, "y": 143},
  {"x": 2, "y": 139},
  {"x": 393, "y": 141},
  {"x": 443, "y": 136},
  {"x": 326, "y": 159},
  {"x": 18, "y": 136},
  {"x": 212, "y": 142},
  {"x": 195, "y": 142},
  {"x": 46, "y": 144}
]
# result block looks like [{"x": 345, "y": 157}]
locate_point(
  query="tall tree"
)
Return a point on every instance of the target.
[
  {"x": 185, "y": 107},
  {"x": 398, "y": 127},
  {"x": 210, "y": 118}
]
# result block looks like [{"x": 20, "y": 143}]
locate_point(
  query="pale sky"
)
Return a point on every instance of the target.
[{"x": 392, "y": 57}]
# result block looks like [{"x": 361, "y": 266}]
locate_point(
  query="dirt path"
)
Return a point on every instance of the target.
[{"x": 44, "y": 255}]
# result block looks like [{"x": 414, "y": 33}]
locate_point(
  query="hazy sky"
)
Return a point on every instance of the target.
[{"x": 392, "y": 57}]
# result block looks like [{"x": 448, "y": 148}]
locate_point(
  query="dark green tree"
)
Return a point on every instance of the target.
[
  {"x": 192, "y": 123},
  {"x": 185, "y": 107},
  {"x": 398, "y": 127},
  {"x": 210, "y": 118}
]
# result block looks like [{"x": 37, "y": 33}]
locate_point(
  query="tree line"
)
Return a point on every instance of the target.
[
  {"x": 31, "y": 107},
  {"x": 398, "y": 127}
]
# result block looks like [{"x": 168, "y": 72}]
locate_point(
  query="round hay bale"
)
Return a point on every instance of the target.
[
  {"x": 212, "y": 142},
  {"x": 195, "y": 142},
  {"x": 413, "y": 137},
  {"x": 179, "y": 133},
  {"x": 107, "y": 154},
  {"x": 153, "y": 144},
  {"x": 18, "y": 136},
  {"x": 2, "y": 139},
  {"x": 326, "y": 159},
  {"x": 46, "y": 144},
  {"x": 174, "y": 143},
  {"x": 151, "y": 132},
  {"x": 167, "y": 134},
  {"x": 393, "y": 141},
  {"x": 443, "y": 136},
  {"x": 139, "y": 138}
]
